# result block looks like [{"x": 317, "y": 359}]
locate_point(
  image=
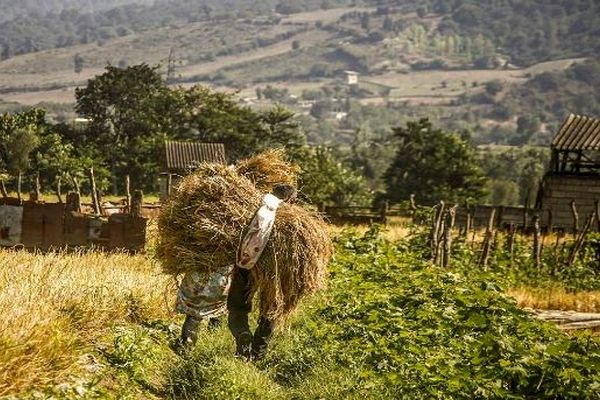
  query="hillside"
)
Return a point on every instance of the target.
[
  {"x": 25, "y": 8},
  {"x": 439, "y": 60}
]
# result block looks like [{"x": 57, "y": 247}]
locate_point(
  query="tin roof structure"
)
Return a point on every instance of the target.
[
  {"x": 182, "y": 156},
  {"x": 578, "y": 133}
]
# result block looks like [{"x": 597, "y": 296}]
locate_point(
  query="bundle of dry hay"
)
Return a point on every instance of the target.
[
  {"x": 268, "y": 168},
  {"x": 202, "y": 223}
]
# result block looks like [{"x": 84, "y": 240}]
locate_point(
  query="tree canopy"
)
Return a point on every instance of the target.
[{"x": 433, "y": 165}]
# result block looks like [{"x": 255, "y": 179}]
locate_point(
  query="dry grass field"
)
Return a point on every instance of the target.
[{"x": 56, "y": 307}]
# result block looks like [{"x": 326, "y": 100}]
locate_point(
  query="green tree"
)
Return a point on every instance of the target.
[
  {"x": 132, "y": 112},
  {"x": 434, "y": 165},
  {"x": 126, "y": 109},
  {"x": 326, "y": 179},
  {"x": 493, "y": 87}
]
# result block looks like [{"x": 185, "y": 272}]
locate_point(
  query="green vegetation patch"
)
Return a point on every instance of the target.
[{"x": 394, "y": 326}]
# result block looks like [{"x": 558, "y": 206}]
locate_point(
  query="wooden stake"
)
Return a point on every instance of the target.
[
  {"x": 38, "y": 187},
  {"x": 575, "y": 217},
  {"x": 58, "y": 188},
  {"x": 128, "y": 194},
  {"x": 19, "y": 181},
  {"x": 579, "y": 240},
  {"x": 537, "y": 250},
  {"x": 3, "y": 189},
  {"x": 435, "y": 231},
  {"x": 469, "y": 221},
  {"x": 449, "y": 225},
  {"x": 413, "y": 208},
  {"x": 73, "y": 202},
  {"x": 488, "y": 241},
  {"x": 137, "y": 201},
  {"x": 94, "y": 193}
]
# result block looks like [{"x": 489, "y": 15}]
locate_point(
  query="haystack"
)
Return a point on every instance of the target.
[
  {"x": 268, "y": 168},
  {"x": 201, "y": 225}
]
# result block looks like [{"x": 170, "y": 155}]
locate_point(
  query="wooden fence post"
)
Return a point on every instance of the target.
[
  {"x": 537, "y": 247},
  {"x": 384, "y": 211},
  {"x": 95, "y": 201},
  {"x": 73, "y": 202},
  {"x": 469, "y": 220},
  {"x": 487, "y": 242},
  {"x": 575, "y": 218},
  {"x": 19, "y": 182},
  {"x": 3, "y": 189},
  {"x": 499, "y": 217},
  {"x": 59, "y": 189},
  {"x": 448, "y": 226},
  {"x": 38, "y": 187},
  {"x": 137, "y": 201},
  {"x": 579, "y": 239},
  {"x": 127, "y": 194},
  {"x": 413, "y": 209},
  {"x": 435, "y": 230}
]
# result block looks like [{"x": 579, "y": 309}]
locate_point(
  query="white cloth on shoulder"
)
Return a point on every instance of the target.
[{"x": 258, "y": 232}]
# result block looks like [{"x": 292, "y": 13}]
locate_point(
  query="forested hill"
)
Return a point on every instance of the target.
[
  {"x": 527, "y": 31},
  {"x": 11, "y": 9},
  {"x": 32, "y": 29}
]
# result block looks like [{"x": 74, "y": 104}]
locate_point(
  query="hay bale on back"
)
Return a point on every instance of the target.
[
  {"x": 268, "y": 168},
  {"x": 200, "y": 224},
  {"x": 200, "y": 227},
  {"x": 294, "y": 262}
]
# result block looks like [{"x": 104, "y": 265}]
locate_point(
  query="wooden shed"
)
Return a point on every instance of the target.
[
  {"x": 180, "y": 158},
  {"x": 574, "y": 173}
]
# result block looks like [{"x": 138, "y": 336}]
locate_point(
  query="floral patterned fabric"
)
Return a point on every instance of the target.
[{"x": 205, "y": 296}]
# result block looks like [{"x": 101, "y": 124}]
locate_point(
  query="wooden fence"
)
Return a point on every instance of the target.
[{"x": 41, "y": 225}]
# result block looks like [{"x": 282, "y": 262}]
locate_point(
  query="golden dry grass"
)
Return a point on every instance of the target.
[
  {"x": 556, "y": 298},
  {"x": 57, "y": 306}
]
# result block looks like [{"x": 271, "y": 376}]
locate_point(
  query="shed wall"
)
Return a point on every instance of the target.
[{"x": 559, "y": 190}]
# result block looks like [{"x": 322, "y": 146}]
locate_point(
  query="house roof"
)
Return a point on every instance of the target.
[
  {"x": 181, "y": 156},
  {"x": 578, "y": 132}
]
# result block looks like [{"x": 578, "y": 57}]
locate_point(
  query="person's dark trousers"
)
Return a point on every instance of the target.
[
  {"x": 263, "y": 333},
  {"x": 239, "y": 305}
]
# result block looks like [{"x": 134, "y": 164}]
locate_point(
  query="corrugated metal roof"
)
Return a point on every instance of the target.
[
  {"x": 182, "y": 156},
  {"x": 578, "y": 132}
]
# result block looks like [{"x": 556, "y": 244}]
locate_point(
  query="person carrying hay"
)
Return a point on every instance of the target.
[
  {"x": 239, "y": 301},
  {"x": 203, "y": 296}
]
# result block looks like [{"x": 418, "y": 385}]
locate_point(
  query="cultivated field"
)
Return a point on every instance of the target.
[{"x": 390, "y": 325}]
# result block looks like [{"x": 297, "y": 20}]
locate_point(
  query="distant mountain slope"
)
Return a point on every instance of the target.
[
  {"x": 529, "y": 31},
  {"x": 12, "y": 9},
  {"x": 29, "y": 29}
]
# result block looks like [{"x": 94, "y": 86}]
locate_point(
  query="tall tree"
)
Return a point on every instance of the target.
[{"x": 434, "y": 165}]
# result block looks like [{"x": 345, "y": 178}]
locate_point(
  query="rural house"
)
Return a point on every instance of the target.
[
  {"x": 182, "y": 157},
  {"x": 574, "y": 174},
  {"x": 351, "y": 77}
]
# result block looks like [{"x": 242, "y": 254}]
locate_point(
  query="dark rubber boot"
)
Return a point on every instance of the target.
[
  {"x": 189, "y": 331},
  {"x": 263, "y": 334},
  {"x": 243, "y": 344}
]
